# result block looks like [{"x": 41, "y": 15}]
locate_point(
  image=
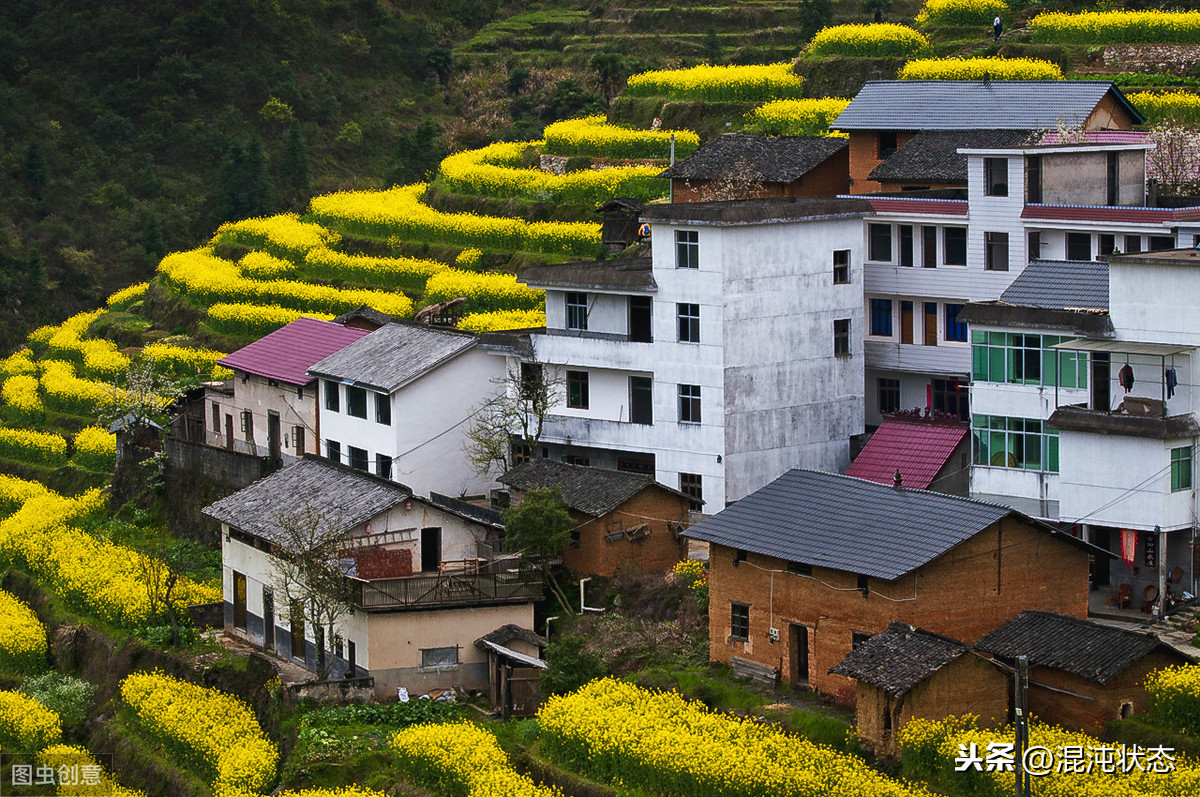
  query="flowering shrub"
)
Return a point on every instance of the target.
[
  {"x": 1113, "y": 27},
  {"x": 976, "y": 68},
  {"x": 98, "y": 358},
  {"x": 15, "y": 491},
  {"x": 503, "y": 319},
  {"x": 212, "y": 731},
  {"x": 468, "y": 259},
  {"x": 180, "y": 361},
  {"x": 483, "y": 292},
  {"x": 690, "y": 572},
  {"x": 961, "y": 12},
  {"x": 396, "y": 273},
  {"x": 880, "y": 40},
  {"x": 283, "y": 235},
  {"x": 76, "y": 758},
  {"x": 19, "y": 362},
  {"x": 617, "y": 732},
  {"x": 461, "y": 759},
  {"x": 796, "y": 117},
  {"x": 1173, "y": 106},
  {"x": 22, "y": 636},
  {"x": 398, "y": 213},
  {"x": 25, "y": 724},
  {"x": 20, "y": 394},
  {"x": 593, "y": 136},
  {"x": 496, "y": 171},
  {"x": 205, "y": 280},
  {"x": 63, "y": 391},
  {"x": 344, "y": 791},
  {"x": 254, "y": 321},
  {"x": 122, "y": 299},
  {"x": 36, "y": 448},
  {"x": 719, "y": 83},
  {"x": 95, "y": 450},
  {"x": 1175, "y": 697},
  {"x": 263, "y": 266}
]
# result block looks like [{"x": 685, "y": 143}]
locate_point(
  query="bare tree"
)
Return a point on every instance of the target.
[
  {"x": 160, "y": 580},
  {"x": 528, "y": 391},
  {"x": 310, "y": 572}
]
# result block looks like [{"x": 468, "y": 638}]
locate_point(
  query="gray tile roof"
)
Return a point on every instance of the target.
[
  {"x": 1089, "y": 650},
  {"x": 975, "y": 104},
  {"x": 633, "y": 274},
  {"x": 592, "y": 491},
  {"x": 1060, "y": 285},
  {"x": 393, "y": 355},
  {"x": 899, "y": 658},
  {"x": 932, "y": 155},
  {"x": 507, "y": 633},
  {"x": 340, "y": 497},
  {"x": 758, "y": 211},
  {"x": 467, "y": 511},
  {"x": 849, "y": 524},
  {"x": 772, "y": 159}
]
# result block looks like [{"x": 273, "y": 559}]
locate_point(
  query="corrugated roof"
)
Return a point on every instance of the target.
[
  {"x": 592, "y": 491},
  {"x": 772, "y": 159},
  {"x": 287, "y": 353},
  {"x": 932, "y": 156},
  {"x": 1060, "y": 285},
  {"x": 1096, "y": 652},
  {"x": 975, "y": 104},
  {"x": 899, "y": 658},
  {"x": 393, "y": 355},
  {"x": 918, "y": 449},
  {"x": 633, "y": 274},
  {"x": 848, "y": 524}
]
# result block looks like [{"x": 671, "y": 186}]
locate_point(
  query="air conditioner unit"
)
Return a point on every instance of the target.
[{"x": 773, "y": 634}]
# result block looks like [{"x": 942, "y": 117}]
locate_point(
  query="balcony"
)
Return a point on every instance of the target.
[{"x": 473, "y": 583}]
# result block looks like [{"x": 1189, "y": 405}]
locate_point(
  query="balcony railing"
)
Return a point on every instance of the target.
[{"x": 451, "y": 588}]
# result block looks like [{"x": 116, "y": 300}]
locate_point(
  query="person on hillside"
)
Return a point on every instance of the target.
[{"x": 997, "y": 27}]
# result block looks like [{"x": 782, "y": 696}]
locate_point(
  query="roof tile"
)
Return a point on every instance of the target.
[
  {"x": 287, "y": 353},
  {"x": 918, "y": 449}
]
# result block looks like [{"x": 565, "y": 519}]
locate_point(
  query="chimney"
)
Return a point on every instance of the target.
[{"x": 897, "y": 482}]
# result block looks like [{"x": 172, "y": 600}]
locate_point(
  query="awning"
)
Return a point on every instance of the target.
[
  {"x": 1125, "y": 347},
  {"x": 509, "y": 653}
]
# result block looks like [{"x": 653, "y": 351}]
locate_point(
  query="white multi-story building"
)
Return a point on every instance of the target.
[{"x": 731, "y": 355}]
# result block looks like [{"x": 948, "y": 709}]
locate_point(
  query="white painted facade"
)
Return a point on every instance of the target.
[{"x": 245, "y": 409}]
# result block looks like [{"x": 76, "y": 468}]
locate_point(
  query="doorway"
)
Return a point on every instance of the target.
[
  {"x": 273, "y": 447},
  {"x": 798, "y": 653},
  {"x": 229, "y": 431},
  {"x": 268, "y": 620},
  {"x": 431, "y": 549},
  {"x": 640, "y": 319},
  {"x": 1101, "y": 390}
]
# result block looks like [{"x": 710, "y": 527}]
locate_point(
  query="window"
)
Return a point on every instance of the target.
[
  {"x": 643, "y": 465},
  {"x": 577, "y": 311},
  {"x": 216, "y": 417},
  {"x": 248, "y": 424},
  {"x": 931, "y": 324},
  {"x": 689, "y": 404},
  {"x": 799, "y": 568},
  {"x": 740, "y": 555},
  {"x": 857, "y": 638},
  {"x": 383, "y": 409},
  {"x": 995, "y": 176},
  {"x": 906, "y": 245},
  {"x": 996, "y": 251},
  {"x": 906, "y": 321},
  {"x": 298, "y": 440},
  {"x": 1026, "y": 359},
  {"x": 641, "y": 400},
  {"x": 577, "y": 390},
  {"x": 383, "y": 466},
  {"x": 1114, "y": 183},
  {"x": 880, "y": 242},
  {"x": 951, "y": 397},
  {"x": 886, "y": 145},
  {"x": 687, "y": 249},
  {"x": 841, "y": 337},
  {"x": 841, "y": 267},
  {"x": 689, "y": 322},
  {"x": 358, "y": 458},
  {"x": 929, "y": 247},
  {"x": 1181, "y": 468},
  {"x": 1035, "y": 244},
  {"x": 1158, "y": 242},
  {"x": 356, "y": 402},
  {"x": 955, "y": 329},
  {"x": 531, "y": 381},
  {"x": 332, "y": 402},
  {"x": 1108, "y": 243},
  {"x": 954, "y": 241},
  {"x": 333, "y": 451},
  {"x": 739, "y": 621},
  {"x": 641, "y": 327},
  {"x": 1033, "y": 179},
  {"x": 889, "y": 395},
  {"x": 1079, "y": 246},
  {"x": 1133, "y": 244},
  {"x": 437, "y": 658},
  {"x": 575, "y": 459},
  {"x": 881, "y": 317},
  {"x": 1014, "y": 443},
  {"x": 690, "y": 485},
  {"x": 864, "y": 585}
]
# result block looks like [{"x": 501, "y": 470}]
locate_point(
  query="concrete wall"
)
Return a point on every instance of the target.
[
  {"x": 1081, "y": 178},
  {"x": 257, "y": 395},
  {"x": 231, "y": 469},
  {"x": 1155, "y": 303}
]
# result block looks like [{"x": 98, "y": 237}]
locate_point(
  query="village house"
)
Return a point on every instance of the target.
[
  {"x": 397, "y": 403},
  {"x": 907, "y": 673},
  {"x": 802, "y": 568},
  {"x": 514, "y": 658},
  {"x": 739, "y": 166},
  {"x": 423, "y": 578},
  {"x": 921, "y": 450},
  {"x": 1082, "y": 675},
  {"x": 620, "y": 519}
]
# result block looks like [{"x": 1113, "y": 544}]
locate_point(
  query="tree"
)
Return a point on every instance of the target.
[
  {"x": 146, "y": 394},
  {"x": 1175, "y": 160},
  {"x": 516, "y": 416},
  {"x": 293, "y": 168},
  {"x": 814, "y": 15},
  {"x": 417, "y": 154},
  {"x": 611, "y": 71},
  {"x": 877, "y": 7},
  {"x": 538, "y": 528},
  {"x": 713, "y": 49},
  {"x": 309, "y": 573}
]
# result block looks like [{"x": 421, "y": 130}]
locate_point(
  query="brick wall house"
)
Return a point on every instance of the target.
[{"x": 737, "y": 166}]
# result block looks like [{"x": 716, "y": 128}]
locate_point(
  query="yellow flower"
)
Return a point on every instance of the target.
[
  {"x": 796, "y": 117},
  {"x": 1113, "y": 27},
  {"x": 719, "y": 83},
  {"x": 594, "y": 137},
  {"x": 977, "y": 68},
  {"x": 880, "y": 40}
]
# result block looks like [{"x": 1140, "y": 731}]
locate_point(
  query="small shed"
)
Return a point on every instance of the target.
[
  {"x": 514, "y": 657},
  {"x": 619, "y": 222},
  {"x": 906, "y": 673}
]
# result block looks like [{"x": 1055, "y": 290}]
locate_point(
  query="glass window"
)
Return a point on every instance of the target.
[
  {"x": 332, "y": 396},
  {"x": 1108, "y": 243},
  {"x": 641, "y": 400},
  {"x": 955, "y": 329},
  {"x": 432, "y": 658},
  {"x": 889, "y": 395},
  {"x": 689, "y": 322},
  {"x": 841, "y": 267},
  {"x": 687, "y": 249},
  {"x": 333, "y": 450},
  {"x": 691, "y": 485},
  {"x": 955, "y": 243},
  {"x": 383, "y": 409},
  {"x": 356, "y": 402},
  {"x": 929, "y": 247},
  {"x": 689, "y": 404},
  {"x": 357, "y": 457},
  {"x": 1079, "y": 246},
  {"x": 880, "y": 242},
  {"x": 881, "y": 317},
  {"x": 841, "y": 337},
  {"x": 577, "y": 390},
  {"x": 996, "y": 251},
  {"x": 383, "y": 466},
  {"x": 1026, "y": 359},
  {"x": 995, "y": 176},
  {"x": 1033, "y": 179},
  {"x": 1023, "y": 443},
  {"x": 886, "y": 145},
  {"x": 1181, "y": 468},
  {"x": 1035, "y": 244},
  {"x": 1133, "y": 244},
  {"x": 906, "y": 245},
  {"x": 577, "y": 311},
  {"x": 739, "y": 621},
  {"x": 1158, "y": 242}
]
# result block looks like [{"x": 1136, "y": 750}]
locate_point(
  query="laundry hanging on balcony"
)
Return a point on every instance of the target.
[
  {"x": 1172, "y": 380},
  {"x": 1128, "y": 546},
  {"x": 1125, "y": 377}
]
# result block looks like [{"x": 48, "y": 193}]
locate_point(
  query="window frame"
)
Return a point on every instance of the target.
[
  {"x": 841, "y": 337},
  {"x": 646, "y": 385},
  {"x": 687, "y": 249},
  {"x": 881, "y": 317},
  {"x": 576, "y": 311},
  {"x": 1016, "y": 440},
  {"x": 383, "y": 466},
  {"x": 383, "y": 409},
  {"x": 1076, "y": 241},
  {"x": 333, "y": 447},
  {"x": 890, "y": 390},
  {"x": 1181, "y": 468},
  {"x": 739, "y": 621},
  {"x": 358, "y": 459},
  {"x": 692, "y": 485},
  {"x": 841, "y": 267},
  {"x": 578, "y": 397},
  {"x": 954, "y": 330},
  {"x": 687, "y": 317},
  {"x": 955, "y": 237},
  {"x": 356, "y": 402},
  {"x": 333, "y": 395},
  {"x": 429, "y": 653},
  {"x": 877, "y": 241},
  {"x": 991, "y": 168},
  {"x": 689, "y": 404},
  {"x": 993, "y": 243}
]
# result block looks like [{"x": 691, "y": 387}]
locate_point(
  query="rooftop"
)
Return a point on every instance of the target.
[
  {"x": 757, "y": 211},
  {"x": 976, "y": 104},
  {"x": 772, "y": 159},
  {"x": 899, "y": 658},
  {"x": 1060, "y": 285},
  {"x": 1096, "y": 652},
  {"x": 932, "y": 156},
  {"x": 633, "y": 274},
  {"x": 592, "y": 491},
  {"x": 287, "y": 353},
  {"x": 1163, "y": 257},
  {"x": 393, "y": 355},
  {"x": 917, "y": 448}
]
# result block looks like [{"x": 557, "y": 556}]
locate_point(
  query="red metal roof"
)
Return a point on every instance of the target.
[
  {"x": 1113, "y": 213},
  {"x": 287, "y": 354},
  {"x": 917, "y": 449},
  {"x": 940, "y": 207}
]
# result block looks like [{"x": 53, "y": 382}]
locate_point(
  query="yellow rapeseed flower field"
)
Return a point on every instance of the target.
[
  {"x": 76, "y": 758},
  {"x": 484, "y": 292},
  {"x": 796, "y": 117},
  {"x": 1114, "y": 27},
  {"x": 459, "y": 758},
  {"x": 961, "y": 12},
  {"x": 26, "y": 725},
  {"x": 502, "y": 319},
  {"x": 253, "y": 320},
  {"x": 1175, "y": 697},
  {"x": 36, "y": 448},
  {"x": 719, "y": 83},
  {"x": 23, "y": 645},
  {"x": 594, "y": 137},
  {"x": 1178, "y": 107},
  {"x": 977, "y": 68},
  {"x": 879, "y": 40},
  {"x": 284, "y": 235},
  {"x": 95, "y": 450}
]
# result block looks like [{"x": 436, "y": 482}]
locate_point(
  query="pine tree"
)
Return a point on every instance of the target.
[
  {"x": 260, "y": 195},
  {"x": 293, "y": 169},
  {"x": 814, "y": 15}
]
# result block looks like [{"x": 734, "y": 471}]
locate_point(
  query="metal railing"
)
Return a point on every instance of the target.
[{"x": 468, "y": 588}]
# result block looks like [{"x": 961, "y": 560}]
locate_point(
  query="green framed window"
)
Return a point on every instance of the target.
[
  {"x": 1181, "y": 468},
  {"x": 1018, "y": 358},
  {"x": 1022, "y": 443}
]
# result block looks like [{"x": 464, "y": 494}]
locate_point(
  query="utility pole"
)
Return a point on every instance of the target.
[{"x": 1021, "y": 724}]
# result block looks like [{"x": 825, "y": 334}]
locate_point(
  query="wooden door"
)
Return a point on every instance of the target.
[
  {"x": 931, "y": 330},
  {"x": 273, "y": 440},
  {"x": 239, "y": 601},
  {"x": 229, "y": 431}
]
